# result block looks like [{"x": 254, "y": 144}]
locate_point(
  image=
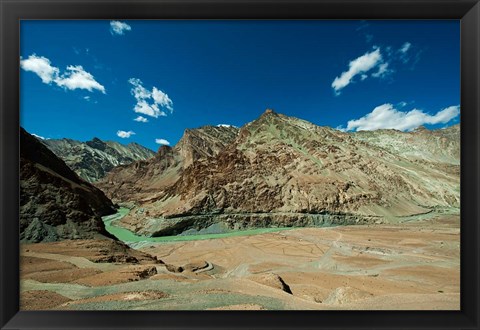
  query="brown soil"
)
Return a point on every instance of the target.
[
  {"x": 41, "y": 300},
  {"x": 62, "y": 276},
  {"x": 126, "y": 274},
  {"x": 30, "y": 265},
  {"x": 98, "y": 251}
]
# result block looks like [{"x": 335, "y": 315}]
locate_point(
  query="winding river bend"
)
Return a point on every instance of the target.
[{"x": 126, "y": 235}]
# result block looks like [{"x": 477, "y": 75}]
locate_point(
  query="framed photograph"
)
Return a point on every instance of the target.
[{"x": 231, "y": 164}]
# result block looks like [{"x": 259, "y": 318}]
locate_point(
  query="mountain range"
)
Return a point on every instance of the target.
[
  {"x": 93, "y": 159},
  {"x": 284, "y": 171}
]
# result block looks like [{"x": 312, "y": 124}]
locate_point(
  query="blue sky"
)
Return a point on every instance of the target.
[{"x": 85, "y": 79}]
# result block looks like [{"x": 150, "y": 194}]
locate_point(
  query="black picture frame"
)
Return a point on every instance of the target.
[{"x": 12, "y": 11}]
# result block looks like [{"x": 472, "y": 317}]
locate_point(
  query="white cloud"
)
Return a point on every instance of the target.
[
  {"x": 386, "y": 116},
  {"x": 382, "y": 71},
  {"x": 404, "y": 55},
  {"x": 405, "y": 47},
  {"x": 357, "y": 66},
  {"x": 75, "y": 77},
  {"x": 39, "y": 137},
  {"x": 150, "y": 103},
  {"x": 41, "y": 66},
  {"x": 162, "y": 142},
  {"x": 381, "y": 60},
  {"x": 138, "y": 91},
  {"x": 124, "y": 134},
  {"x": 151, "y": 110},
  {"x": 119, "y": 28},
  {"x": 141, "y": 119},
  {"x": 226, "y": 125},
  {"x": 162, "y": 99}
]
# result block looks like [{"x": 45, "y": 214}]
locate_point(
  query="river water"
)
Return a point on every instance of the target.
[{"x": 126, "y": 235}]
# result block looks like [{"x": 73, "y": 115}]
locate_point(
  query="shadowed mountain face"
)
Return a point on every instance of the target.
[
  {"x": 54, "y": 202},
  {"x": 279, "y": 170},
  {"x": 91, "y": 160}
]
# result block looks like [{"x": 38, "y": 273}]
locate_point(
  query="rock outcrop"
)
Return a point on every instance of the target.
[
  {"x": 271, "y": 280},
  {"x": 55, "y": 203},
  {"x": 204, "y": 142}
]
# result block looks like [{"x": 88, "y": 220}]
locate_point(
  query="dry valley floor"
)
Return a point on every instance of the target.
[{"x": 411, "y": 265}]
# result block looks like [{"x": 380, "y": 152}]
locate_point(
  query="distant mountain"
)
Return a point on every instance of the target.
[
  {"x": 284, "y": 171},
  {"x": 54, "y": 202},
  {"x": 93, "y": 159}
]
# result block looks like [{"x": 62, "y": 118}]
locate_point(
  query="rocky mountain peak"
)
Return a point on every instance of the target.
[
  {"x": 33, "y": 149},
  {"x": 270, "y": 114},
  {"x": 96, "y": 143},
  {"x": 272, "y": 128},
  {"x": 269, "y": 111},
  {"x": 91, "y": 160},
  {"x": 421, "y": 129},
  {"x": 204, "y": 142}
]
